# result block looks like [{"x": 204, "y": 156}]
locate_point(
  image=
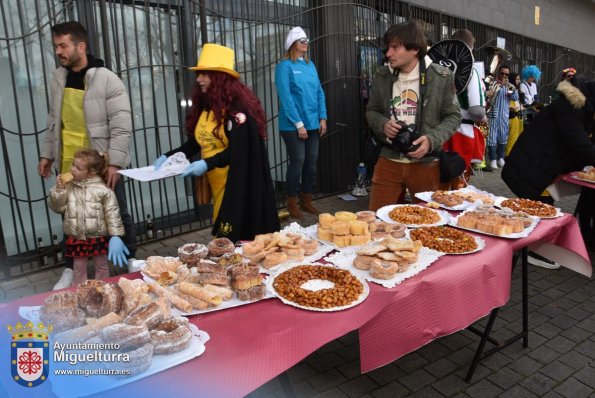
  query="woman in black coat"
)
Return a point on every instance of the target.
[{"x": 557, "y": 142}]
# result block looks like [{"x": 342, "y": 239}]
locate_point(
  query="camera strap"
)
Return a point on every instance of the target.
[{"x": 422, "y": 92}]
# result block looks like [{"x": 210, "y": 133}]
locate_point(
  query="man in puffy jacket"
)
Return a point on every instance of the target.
[{"x": 89, "y": 107}]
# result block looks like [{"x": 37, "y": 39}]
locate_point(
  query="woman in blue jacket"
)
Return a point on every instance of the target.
[{"x": 302, "y": 119}]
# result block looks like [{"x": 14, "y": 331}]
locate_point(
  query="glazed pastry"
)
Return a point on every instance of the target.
[
  {"x": 200, "y": 292},
  {"x": 148, "y": 314},
  {"x": 171, "y": 335},
  {"x": 127, "y": 336},
  {"x": 252, "y": 294},
  {"x": 176, "y": 301},
  {"x": 220, "y": 246},
  {"x": 102, "y": 300},
  {"x": 192, "y": 253}
]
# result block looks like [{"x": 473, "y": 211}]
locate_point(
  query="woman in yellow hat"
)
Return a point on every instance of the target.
[{"x": 227, "y": 125}]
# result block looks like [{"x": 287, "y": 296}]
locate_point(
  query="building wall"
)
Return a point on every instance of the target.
[{"x": 568, "y": 23}]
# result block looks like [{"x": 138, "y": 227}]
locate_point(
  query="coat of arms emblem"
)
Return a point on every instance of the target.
[{"x": 29, "y": 353}]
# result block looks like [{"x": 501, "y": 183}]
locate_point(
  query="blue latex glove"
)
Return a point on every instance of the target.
[
  {"x": 159, "y": 162},
  {"x": 197, "y": 168},
  {"x": 117, "y": 251}
]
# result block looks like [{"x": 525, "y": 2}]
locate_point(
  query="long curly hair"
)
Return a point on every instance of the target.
[
  {"x": 225, "y": 96},
  {"x": 531, "y": 71}
]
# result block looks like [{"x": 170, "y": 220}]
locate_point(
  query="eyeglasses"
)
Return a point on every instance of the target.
[
  {"x": 304, "y": 40},
  {"x": 504, "y": 74}
]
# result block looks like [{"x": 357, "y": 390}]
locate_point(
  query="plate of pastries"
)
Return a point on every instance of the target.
[
  {"x": 386, "y": 262},
  {"x": 318, "y": 287},
  {"x": 448, "y": 240},
  {"x": 345, "y": 229},
  {"x": 504, "y": 223},
  {"x": 202, "y": 279},
  {"x": 531, "y": 207},
  {"x": 460, "y": 199},
  {"x": 272, "y": 250},
  {"x": 412, "y": 216},
  {"x": 127, "y": 314},
  {"x": 587, "y": 175}
]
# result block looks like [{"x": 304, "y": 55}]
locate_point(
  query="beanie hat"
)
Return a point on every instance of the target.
[{"x": 293, "y": 35}]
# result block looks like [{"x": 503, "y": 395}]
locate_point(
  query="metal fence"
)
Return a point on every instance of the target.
[{"x": 148, "y": 43}]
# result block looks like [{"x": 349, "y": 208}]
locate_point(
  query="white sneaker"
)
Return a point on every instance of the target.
[
  {"x": 543, "y": 264},
  {"x": 494, "y": 164},
  {"x": 65, "y": 280},
  {"x": 501, "y": 162}
]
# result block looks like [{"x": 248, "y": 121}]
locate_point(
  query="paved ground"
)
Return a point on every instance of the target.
[{"x": 560, "y": 360}]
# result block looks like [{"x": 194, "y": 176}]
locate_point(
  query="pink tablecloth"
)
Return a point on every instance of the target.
[
  {"x": 252, "y": 344},
  {"x": 570, "y": 179},
  {"x": 457, "y": 291}
]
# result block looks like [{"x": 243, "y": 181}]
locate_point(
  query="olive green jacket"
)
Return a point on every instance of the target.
[{"x": 441, "y": 110}]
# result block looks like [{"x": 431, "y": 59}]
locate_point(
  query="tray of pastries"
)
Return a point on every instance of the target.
[
  {"x": 124, "y": 314},
  {"x": 448, "y": 240},
  {"x": 345, "y": 230},
  {"x": 318, "y": 287},
  {"x": 587, "y": 175},
  {"x": 387, "y": 262},
  {"x": 531, "y": 207},
  {"x": 202, "y": 280},
  {"x": 270, "y": 251},
  {"x": 503, "y": 223},
  {"x": 413, "y": 216},
  {"x": 460, "y": 199}
]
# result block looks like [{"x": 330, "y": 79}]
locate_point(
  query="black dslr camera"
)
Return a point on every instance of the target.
[{"x": 403, "y": 142}]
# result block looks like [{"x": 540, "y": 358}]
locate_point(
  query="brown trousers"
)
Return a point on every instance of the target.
[{"x": 391, "y": 178}]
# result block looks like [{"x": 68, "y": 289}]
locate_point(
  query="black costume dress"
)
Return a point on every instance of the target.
[{"x": 249, "y": 206}]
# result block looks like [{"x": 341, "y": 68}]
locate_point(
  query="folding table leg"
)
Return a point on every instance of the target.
[
  {"x": 484, "y": 338},
  {"x": 525, "y": 295},
  {"x": 485, "y": 335}
]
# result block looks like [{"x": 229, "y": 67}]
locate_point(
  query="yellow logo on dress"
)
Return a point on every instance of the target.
[{"x": 225, "y": 228}]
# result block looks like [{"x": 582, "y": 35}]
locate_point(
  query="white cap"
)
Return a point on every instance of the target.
[{"x": 293, "y": 35}]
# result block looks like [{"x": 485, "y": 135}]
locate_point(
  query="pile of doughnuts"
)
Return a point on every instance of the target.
[
  {"x": 118, "y": 313},
  {"x": 531, "y": 207},
  {"x": 345, "y": 228},
  {"x": 345, "y": 290},
  {"x": 271, "y": 250},
  {"x": 414, "y": 215},
  {"x": 388, "y": 257},
  {"x": 493, "y": 221},
  {"x": 445, "y": 239}
]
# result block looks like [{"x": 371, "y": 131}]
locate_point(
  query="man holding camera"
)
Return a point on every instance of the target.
[{"x": 412, "y": 111}]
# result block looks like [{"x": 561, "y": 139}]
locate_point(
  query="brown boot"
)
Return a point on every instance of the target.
[
  {"x": 306, "y": 203},
  {"x": 292, "y": 208}
]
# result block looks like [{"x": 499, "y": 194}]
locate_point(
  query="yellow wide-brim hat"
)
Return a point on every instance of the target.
[{"x": 216, "y": 58}]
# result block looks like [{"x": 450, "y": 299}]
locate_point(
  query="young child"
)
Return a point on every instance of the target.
[{"x": 91, "y": 214}]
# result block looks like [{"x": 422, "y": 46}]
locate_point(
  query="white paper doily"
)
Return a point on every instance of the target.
[{"x": 425, "y": 258}]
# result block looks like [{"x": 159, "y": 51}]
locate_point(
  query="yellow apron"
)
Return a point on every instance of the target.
[
  {"x": 74, "y": 129},
  {"x": 211, "y": 145}
]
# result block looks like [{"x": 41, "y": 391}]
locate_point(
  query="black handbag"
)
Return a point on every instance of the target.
[
  {"x": 372, "y": 150},
  {"x": 452, "y": 165}
]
